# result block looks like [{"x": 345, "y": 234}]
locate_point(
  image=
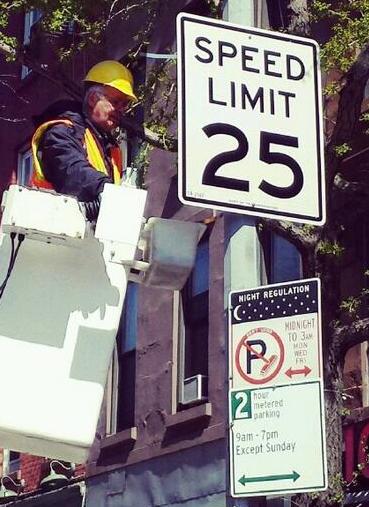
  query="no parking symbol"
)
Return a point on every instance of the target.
[{"x": 259, "y": 355}]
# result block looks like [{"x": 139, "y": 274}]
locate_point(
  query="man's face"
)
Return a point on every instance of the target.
[{"x": 107, "y": 108}]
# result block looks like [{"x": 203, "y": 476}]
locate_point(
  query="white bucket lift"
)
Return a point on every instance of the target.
[{"x": 60, "y": 311}]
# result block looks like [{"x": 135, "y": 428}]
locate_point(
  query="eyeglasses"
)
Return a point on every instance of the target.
[{"x": 120, "y": 104}]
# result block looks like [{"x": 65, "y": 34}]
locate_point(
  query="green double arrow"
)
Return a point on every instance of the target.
[{"x": 244, "y": 480}]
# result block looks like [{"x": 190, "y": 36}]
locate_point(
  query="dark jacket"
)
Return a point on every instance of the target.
[{"x": 64, "y": 158}]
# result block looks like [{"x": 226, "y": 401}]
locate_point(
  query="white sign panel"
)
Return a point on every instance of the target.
[
  {"x": 250, "y": 122},
  {"x": 275, "y": 364},
  {"x": 276, "y": 440}
]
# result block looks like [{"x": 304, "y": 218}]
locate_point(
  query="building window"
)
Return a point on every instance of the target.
[
  {"x": 278, "y": 14},
  {"x": 285, "y": 260},
  {"x": 193, "y": 332},
  {"x": 241, "y": 12},
  {"x": 11, "y": 462},
  {"x": 282, "y": 260},
  {"x": 30, "y": 18},
  {"x": 122, "y": 378},
  {"x": 14, "y": 461},
  {"x": 25, "y": 168}
]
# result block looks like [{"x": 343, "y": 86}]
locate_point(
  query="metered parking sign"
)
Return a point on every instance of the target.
[{"x": 250, "y": 129}]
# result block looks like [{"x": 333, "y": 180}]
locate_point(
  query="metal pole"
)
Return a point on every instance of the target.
[{"x": 243, "y": 257}]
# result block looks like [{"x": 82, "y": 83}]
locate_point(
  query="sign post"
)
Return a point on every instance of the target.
[
  {"x": 277, "y": 439},
  {"x": 250, "y": 121}
]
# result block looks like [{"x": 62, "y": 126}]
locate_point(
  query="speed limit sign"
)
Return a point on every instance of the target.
[{"x": 250, "y": 121}]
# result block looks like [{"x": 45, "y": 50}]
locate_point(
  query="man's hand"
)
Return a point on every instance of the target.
[{"x": 91, "y": 209}]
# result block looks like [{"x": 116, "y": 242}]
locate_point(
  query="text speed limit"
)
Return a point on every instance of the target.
[{"x": 249, "y": 121}]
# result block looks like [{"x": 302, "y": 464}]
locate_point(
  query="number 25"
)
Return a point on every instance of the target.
[{"x": 211, "y": 178}]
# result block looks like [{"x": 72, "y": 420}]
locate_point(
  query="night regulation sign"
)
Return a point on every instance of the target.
[
  {"x": 276, "y": 406},
  {"x": 250, "y": 121}
]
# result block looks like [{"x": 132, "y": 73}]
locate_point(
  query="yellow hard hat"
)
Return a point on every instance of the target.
[{"x": 112, "y": 73}]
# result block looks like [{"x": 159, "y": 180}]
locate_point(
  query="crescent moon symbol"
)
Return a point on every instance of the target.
[{"x": 235, "y": 312}]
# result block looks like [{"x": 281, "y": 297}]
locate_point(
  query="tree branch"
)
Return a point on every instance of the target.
[
  {"x": 349, "y": 110},
  {"x": 12, "y": 89},
  {"x": 299, "y": 17},
  {"x": 345, "y": 337},
  {"x": 352, "y": 195},
  {"x": 164, "y": 143},
  {"x": 304, "y": 237},
  {"x": 13, "y": 120},
  {"x": 124, "y": 11},
  {"x": 350, "y": 187},
  {"x": 7, "y": 50},
  {"x": 301, "y": 236}
]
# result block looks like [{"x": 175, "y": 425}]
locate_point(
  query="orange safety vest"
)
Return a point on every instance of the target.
[{"x": 94, "y": 155}]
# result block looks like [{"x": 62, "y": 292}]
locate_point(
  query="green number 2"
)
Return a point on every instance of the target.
[{"x": 241, "y": 405}]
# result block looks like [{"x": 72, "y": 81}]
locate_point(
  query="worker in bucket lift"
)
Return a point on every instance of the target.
[{"x": 74, "y": 151}]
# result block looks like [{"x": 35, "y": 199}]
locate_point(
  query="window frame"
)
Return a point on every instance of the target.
[
  {"x": 113, "y": 424},
  {"x": 31, "y": 17},
  {"x": 22, "y": 177},
  {"x": 11, "y": 465},
  {"x": 182, "y": 333}
]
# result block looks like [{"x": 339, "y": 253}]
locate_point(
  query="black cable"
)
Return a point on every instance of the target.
[
  {"x": 20, "y": 240},
  {"x": 2, "y": 286},
  {"x": 13, "y": 257}
]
